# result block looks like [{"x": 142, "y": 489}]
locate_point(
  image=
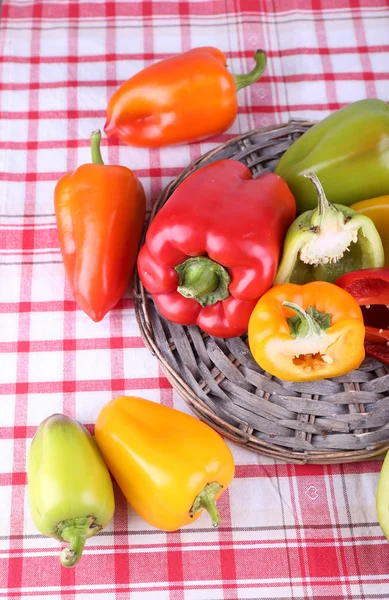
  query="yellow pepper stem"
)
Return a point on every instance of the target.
[
  {"x": 206, "y": 499},
  {"x": 75, "y": 531}
]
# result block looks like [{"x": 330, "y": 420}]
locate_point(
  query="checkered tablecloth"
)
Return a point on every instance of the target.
[{"x": 287, "y": 532}]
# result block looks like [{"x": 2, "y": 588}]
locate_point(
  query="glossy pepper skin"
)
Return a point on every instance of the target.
[
  {"x": 100, "y": 211},
  {"x": 168, "y": 464},
  {"x": 370, "y": 288},
  {"x": 213, "y": 248},
  {"x": 382, "y": 497},
  {"x": 307, "y": 332},
  {"x": 348, "y": 151},
  {"x": 184, "y": 98},
  {"x": 325, "y": 243},
  {"x": 70, "y": 488},
  {"x": 377, "y": 209}
]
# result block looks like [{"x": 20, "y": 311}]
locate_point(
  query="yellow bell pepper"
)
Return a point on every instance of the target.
[
  {"x": 169, "y": 465},
  {"x": 307, "y": 332},
  {"x": 377, "y": 209}
]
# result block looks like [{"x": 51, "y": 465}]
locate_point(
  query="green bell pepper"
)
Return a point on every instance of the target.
[
  {"x": 325, "y": 243},
  {"x": 70, "y": 488},
  {"x": 348, "y": 151}
]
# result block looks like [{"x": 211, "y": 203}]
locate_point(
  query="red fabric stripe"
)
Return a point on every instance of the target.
[
  {"x": 311, "y": 543},
  {"x": 153, "y": 57},
  {"x": 15, "y": 565},
  {"x": 73, "y": 344},
  {"x": 54, "y": 176},
  {"x": 264, "y": 471},
  {"x": 49, "y": 306},
  {"x": 28, "y": 238},
  {"x": 88, "y": 10},
  {"x": 263, "y": 108},
  {"x": 80, "y": 385},
  {"x": 366, "y": 75}
]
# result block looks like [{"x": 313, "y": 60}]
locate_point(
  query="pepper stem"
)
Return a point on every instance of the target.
[
  {"x": 95, "y": 139},
  {"x": 76, "y": 532},
  {"x": 206, "y": 499},
  {"x": 69, "y": 557},
  {"x": 310, "y": 323},
  {"x": 203, "y": 279},
  {"x": 246, "y": 79},
  {"x": 324, "y": 206}
]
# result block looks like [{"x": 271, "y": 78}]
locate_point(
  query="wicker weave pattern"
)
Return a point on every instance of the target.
[{"x": 342, "y": 419}]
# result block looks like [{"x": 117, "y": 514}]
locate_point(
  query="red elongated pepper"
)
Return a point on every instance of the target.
[
  {"x": 213, "y": 248},
  {"x": 370, "y": 287}
]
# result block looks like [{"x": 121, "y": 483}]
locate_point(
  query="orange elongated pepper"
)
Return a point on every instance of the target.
[
  {"x": 100, "y": 211},
  {"x": 307, "y": 332},
  {"x": 168, "y": 464},
  {"x": 184, "y": 98}
]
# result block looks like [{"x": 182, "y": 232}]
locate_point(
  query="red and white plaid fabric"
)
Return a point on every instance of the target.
[{"x": 288, "y": 532}]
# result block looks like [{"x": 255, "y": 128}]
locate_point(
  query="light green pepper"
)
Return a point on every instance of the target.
[
  {"x": 70, "y": 489},
  {"x": 325, "y": 243},
  {"x": 382, "y": 497},
  {"x": 348, "y": 151}
]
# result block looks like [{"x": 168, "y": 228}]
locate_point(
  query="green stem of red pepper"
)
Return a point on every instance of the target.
[
  {"x": 95, "y": 139},
  {"x": 203, "y": 279},
  {"x": 246, "y": 79}
]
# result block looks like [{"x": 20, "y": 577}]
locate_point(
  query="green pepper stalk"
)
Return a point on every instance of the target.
[
  {"x": 69, "y": 485},
  {"x": 246, "y": 79},
  {"x": 327, "y": 242},
  {"x": 206, "y": 499},
  {"x": 203, "y": 280}
]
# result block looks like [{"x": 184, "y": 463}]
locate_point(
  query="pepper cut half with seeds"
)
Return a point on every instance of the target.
[
  {"x": 324, "y": 243},
  {"x": 307, "y": 332}
]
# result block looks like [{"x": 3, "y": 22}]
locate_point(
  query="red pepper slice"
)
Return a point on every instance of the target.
[
  {"x": 370, "y": 287},
  {"x": 213, "y": 248}
]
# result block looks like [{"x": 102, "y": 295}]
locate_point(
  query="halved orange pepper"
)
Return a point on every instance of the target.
[
  {"x": 168, "y": 464},
  {"x": 307, "y": 332}
]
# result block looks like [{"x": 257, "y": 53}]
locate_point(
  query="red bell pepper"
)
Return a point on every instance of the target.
[
  {"x": 370, "y": 287},
  {"x": 213, "y": 248}
]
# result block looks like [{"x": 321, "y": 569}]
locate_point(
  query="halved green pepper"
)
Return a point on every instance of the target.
[
  {"x": 69, "y": 485},
  {"x": 325, "y": 243},
  {"x": 348, "y": 151}
]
